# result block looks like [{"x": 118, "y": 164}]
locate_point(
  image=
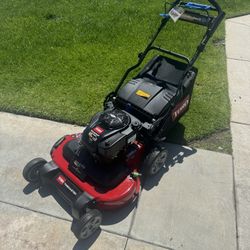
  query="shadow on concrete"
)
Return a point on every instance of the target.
[
  {"x": 46, "y": 191},
  {"x": 86, "y": 244},
  {"x": 113, "y": 217},
  {"x": 177, "y": 154},
  {"x": 109, "y": 217}
]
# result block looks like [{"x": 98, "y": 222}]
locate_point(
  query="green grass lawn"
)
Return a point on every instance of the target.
[{"x": 58, "y": 58}]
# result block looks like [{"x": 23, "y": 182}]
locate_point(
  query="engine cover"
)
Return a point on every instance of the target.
[
  {"x": 109, "y": 132},
  {"x": 147, "y": 96}
]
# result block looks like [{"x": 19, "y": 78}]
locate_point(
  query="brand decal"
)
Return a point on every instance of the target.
[
  {"x": 61, "y": 179},
  {"x": 180, "y": 108},
  {"x": 95, "y": 133},
  {"x": 143, "y": 94},
  {"x": 98, "y": 130},
  {"x": 70, "y": 189}
]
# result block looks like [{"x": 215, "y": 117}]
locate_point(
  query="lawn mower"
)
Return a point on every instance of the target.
[{"x": 101, "y": 167}]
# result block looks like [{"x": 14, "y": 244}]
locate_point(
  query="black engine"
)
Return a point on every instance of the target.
[
  {"x": 109, "y": 133},
  {"x": 154, "y": 100}
]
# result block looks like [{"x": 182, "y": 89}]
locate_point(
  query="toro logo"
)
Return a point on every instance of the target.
[
  {"x": 61, "y": 179},
  {"x": 95, "y": 133},
  {"x": 98, "y": 130},
  {"x": 180, "y": 108}
]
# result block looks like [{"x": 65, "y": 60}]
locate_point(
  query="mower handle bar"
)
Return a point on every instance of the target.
[
  {"x": 212, "y": 26},
  {"x": 198, "y": 6}
]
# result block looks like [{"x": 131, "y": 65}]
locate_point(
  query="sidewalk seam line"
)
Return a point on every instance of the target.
[
  {"x": 235, "y": 203},
  {"x": 136, "y": 207},
  {"x": 241, "y": 123},
  {"x": 67, "y": 220},
  {"x": 54, "y": 216},
  {"x": 129, "y": 237},
  {"x": 126, "y": 244},
  {"x": 35, "y": 211},
  {"x": 238, "y": 59},
  {"x": 150, "y": 243},
  {"x": 134, "y": 213}
]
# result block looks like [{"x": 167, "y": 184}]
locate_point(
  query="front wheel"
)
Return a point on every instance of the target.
[
  {"x": 87, "y": 224},
  {"x": 156, "y": 159},
  {"x": 31, "y": 170}
]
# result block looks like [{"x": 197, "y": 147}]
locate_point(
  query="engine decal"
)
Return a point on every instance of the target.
[
  {"x": 93, "y": 136},
  {"x": 180, "y": 108},
  {"x": 143, "y": 94}
]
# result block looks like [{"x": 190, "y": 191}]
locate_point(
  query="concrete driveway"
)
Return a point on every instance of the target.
[{"x": 189, "y": 205}]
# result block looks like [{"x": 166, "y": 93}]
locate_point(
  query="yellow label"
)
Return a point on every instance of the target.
[{"x": 142, "y": 94}]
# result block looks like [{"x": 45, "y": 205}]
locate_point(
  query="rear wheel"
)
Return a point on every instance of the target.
[
  {"x": 87, "y": 224},
  {"x": 156, "y": 159},
  {"x": 31, "y": 170}
]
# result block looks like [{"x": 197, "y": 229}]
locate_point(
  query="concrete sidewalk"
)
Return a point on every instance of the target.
[
  {"x": 238, "y": 64},
  {"x": 189, "y": 206}
]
